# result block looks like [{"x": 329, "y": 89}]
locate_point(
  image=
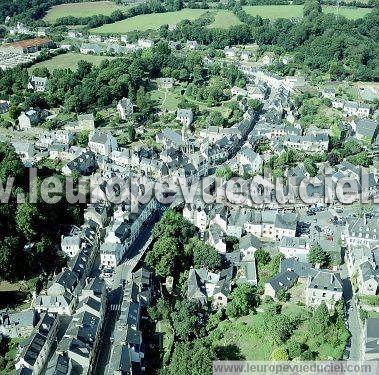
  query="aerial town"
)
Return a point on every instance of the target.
[{"x": 187, "y": 183}]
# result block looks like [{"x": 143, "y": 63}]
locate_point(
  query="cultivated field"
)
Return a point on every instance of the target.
[
  {"x": 296, "y": 11},
  {"x": 223, "y": 18},
  {"x": 85, "y": 9},
  {"x": 68, "y": 60}
]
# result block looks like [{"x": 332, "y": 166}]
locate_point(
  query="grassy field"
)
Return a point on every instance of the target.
[
  {"x": 223, "y": 19},
  {"x": 84, "y": 9},
  {"x": 68, "y": 60},
  {"x": 296, "y": 11},
  {"x": 149, "y": 21}
]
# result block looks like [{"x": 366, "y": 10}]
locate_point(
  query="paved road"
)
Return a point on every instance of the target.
[{"x": 352, "y": 316}]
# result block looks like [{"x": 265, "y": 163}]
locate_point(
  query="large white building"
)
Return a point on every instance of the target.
[{"x": 125, "y": 108}]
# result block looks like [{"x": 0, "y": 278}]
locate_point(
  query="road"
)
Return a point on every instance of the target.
[
  {"x": 115, "y": 294},
  {"x": 352, "y": 316}
]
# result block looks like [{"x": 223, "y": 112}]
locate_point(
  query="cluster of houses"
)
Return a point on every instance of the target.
[
  {"x": 127, "y": 351},
  {"x": 113, "y": 46}
]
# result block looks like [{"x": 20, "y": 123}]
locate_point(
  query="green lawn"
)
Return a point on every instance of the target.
[
  {"x": 296, "y": 11},
  {"x": 244, "y": 337},
  {"x": 224, "y": 19},
  {"x": 85, "y": 9},
  {"x": 68, "y": 60},
  {"x": 351, "y": 13},
  {"x": 148, "y": 21},
  {"x": 166, "y": 99}
]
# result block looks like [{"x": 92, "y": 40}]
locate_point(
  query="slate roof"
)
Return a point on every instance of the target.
[{"x": 283, "y": 281}]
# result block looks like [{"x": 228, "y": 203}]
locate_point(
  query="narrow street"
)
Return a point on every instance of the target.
[{"x": 352, "y": 316}]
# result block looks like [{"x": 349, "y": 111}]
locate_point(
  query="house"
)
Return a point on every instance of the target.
[
  {"x": 84, "y": 164},
  {"x": 247, "y": 272},
  {"x": 191, "y": 44},
  {"x": 145, "y": 43},
  {"x": 351, "y": 108},
  {"x": 268, "y": 58},
  {"x": 38, "y": 84},
  {"x": 283, "y": 281},
  {"x": 363, "y": 110},
  {"x": 329, "y": 93},
  {"x": 230, "y": 52},
  {"x": 24, "y": 150},
  {"x": 368, "y": 279},
  {"x": 248, "y": 161},
  {"x": 249, "y": 244},
  {"x": 295, "y": 247},
  {"x": 185, "y": 116},
  {"x": 325, "y": 286},
  {"x": 27, "y": 46},
  {"x": 17, "y": 324},
  {"x": 86, "y": 121},
  {"x": 90, "y": 48},
  {"x": 197, "y": 213},
  {"x": 245, "y": 55},
  {"x": 102, "y": 143},
  {"x": 125, "y": 108},
  {"x": 362, "y": 231},
  {"x": 28, "y": 119},
  {"x": 71, "y": 244},
  {"x": 216, "y": 238},
  {"x": 95, "y": 38},
  {"x": 257, "y": 92},
  {"x": 4, "y": 106},
  {"x": 34, "y": 353},
  {"x": 203, "y": 284},
  {"x": 365, "y": 129},
  {"x": 237, "y": 91},
  {"x": 285, "y": 225},
  {"x": 370, "y": 340},
  {"x": 166, "y": 82}
]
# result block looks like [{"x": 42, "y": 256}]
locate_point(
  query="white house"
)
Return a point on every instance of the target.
[
  {"x": 125, "y": 108},
  {"x": 295, "y": 247},
  {"x": 38, "y": 84},
  {"x": 28, "y": 119},
  {"x": 185, "y": 116},
  {"x": 325, "y": 287},
  {"x": 102, "y": 143}
]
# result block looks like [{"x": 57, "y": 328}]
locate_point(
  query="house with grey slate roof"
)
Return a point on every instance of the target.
[
  {"x": 325, "y": 287},
  {"x": 370, "y": 340}
]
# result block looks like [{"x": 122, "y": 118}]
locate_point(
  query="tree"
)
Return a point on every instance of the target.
[
  {"x": 279, "y": 354},
  {"x": 318, "y": 255},
  {"x": 242, "y": 300},
  {"x": 192, "y": 358},
  {"x": 27, "y": 220},
  {"x": 262, "y": 257},
  {"x": 185, "y": 319},
  {"x": 162, "y": 257},
  {"x": 224, "y": 172},
  {"x": 320, "y": 321},
  {"x": 204, "y": 255},
  {"x": 294, "y": 348},
  {"x": 282, "y": 296},
  {"x": 161, "y": 310},
  {"x": 8, "y": 258}
]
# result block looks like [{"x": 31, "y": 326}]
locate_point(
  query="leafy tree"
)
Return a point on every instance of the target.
[
  {"x": 204, "y": 255},
  {"x": 318, "y": 255},
  {"x": 161, "y": 310},
  {"x": 320, "y": 321},
  {"x": 242, "y": 300},
  {"x": 8, "y": 258},
  {"x": 185, "y": 319},
  {"x": 294, "y": 348},
  {"x": 192, "y": 358},
  {"x": 27, "y": 219},
  {"x": 262, "y": 257},
  {"x": 279, "y": 354},
  {"x": 224, "y": 172}
]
